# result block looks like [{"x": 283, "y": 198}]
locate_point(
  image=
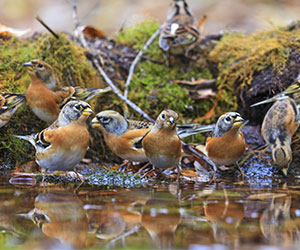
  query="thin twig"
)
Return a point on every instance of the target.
[
  {"x": 46, "y": 27},
  {"x": 137, "y": 59},
  {"x": 96, "y": 63},
  {"x": 118, "y": 93}
]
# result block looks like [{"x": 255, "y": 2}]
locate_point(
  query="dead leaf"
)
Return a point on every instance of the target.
[
  {"x": 200, "y": 83},
  {"x": 208, "y": 114},
  {"x": 202, "y": 94},
  {"x": 189, "y": 173},
  {"x": 7, "y": 32},
  {"x": 201, "y": 148},
  {"x": 115, "y": 167},
  {"x": 201, "y": 24},
  {"x": 91, "y": 32}
]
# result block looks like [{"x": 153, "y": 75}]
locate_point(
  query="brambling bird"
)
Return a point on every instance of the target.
[
  {"x": 278, "y": 127},
  {"x": 64, "y": 143},
  {"x": 162, "y": 145},
  {"x": 227, "y": 143},
  {"x": 180, "y": 30},
  {"x": 292, "y": 91},
  {"x": 44, "y": 95},
  {"x": 9, "y": 103},
  {"x": 123, "y": 136}
]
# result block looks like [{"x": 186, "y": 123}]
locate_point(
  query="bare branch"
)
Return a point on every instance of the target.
[
  {"x": 46, "y": 27},
  {"x": 137, "y": 59},
  {"x": 118, "y": 93},
  {"x": 94, "y": 58}
]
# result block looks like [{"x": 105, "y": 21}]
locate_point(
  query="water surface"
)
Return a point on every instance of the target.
[{"x": 198, "y": 216}]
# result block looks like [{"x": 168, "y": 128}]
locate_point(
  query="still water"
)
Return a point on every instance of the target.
[{"x": 202, "y": 216}]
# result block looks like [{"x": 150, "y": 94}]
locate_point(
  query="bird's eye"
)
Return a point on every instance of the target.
[
  {"x": 228, "y": 118},
  {"x": 78, "y": 107},
  {"x": 104, "y": 120},
  {"x": 163, "y": 116},
  {"x": 40, "y": 65}
]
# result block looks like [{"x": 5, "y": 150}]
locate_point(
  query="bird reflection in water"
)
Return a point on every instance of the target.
[
  {"x": 224, "y": 218},
  {"x": 277, "y": 223},
  {"x": 60, "y": 215},
  {"x": 161, "y": 217},
  {"x": 112, "y": 221}
]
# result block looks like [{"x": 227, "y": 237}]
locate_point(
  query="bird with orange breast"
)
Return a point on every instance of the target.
[
  {"x": 64, "y": 143},
  {"x": 227, "y": 144},
  {"x": 162, "y": 145},
  {"x": 44, "y": 95},
  {"x": 9, "y": 103},
  {"x": 279, "y": 125},
  {"x": 123, "y": 136}
]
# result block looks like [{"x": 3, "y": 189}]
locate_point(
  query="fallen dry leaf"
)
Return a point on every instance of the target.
[
  {"x": 7, "y": 32},
  {"x": 91, "y": 32},
  {"x": 189, "y": 173},
  {"x": 200, "y": 83},
  {"x": 208, "y": 114}
]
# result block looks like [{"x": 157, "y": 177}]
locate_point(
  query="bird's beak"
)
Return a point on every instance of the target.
[
  {"x": 284, "y": 171},
  {"x": 95, "y": 123},
  {"x": 28, "y": 66},
  {"x": 87, "y": 111},
  {"x": 238, "y": 121},
  {"x": 170, "y": 121}
]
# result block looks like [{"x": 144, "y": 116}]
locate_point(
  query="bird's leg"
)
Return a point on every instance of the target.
[
  {"x": 213, "y": 177},
  {"x": 124, "y": 165},
  {"x": 241, "y": 171},
  {"x": 44, "y": 172},
  {"x": 167, "y": 58},
  {"x": 81, "y": 181},
  {"x": 215, "y": 169},
  {"x": 143, "y": 167},
  {"x": 153, "y": 168},
  {"x": 179, "y": 168}
]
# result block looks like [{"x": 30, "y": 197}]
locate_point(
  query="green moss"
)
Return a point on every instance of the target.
[
  {"x": 70, "y": 66},
  {"x": 240, "y": 56},
  {"x": 68, "y": 61},
  {"x": 13, "y": 53},
  {"x": 153, "y": 87},
  {"x": 138, "y": 35}
]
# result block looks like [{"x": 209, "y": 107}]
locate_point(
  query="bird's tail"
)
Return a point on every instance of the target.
[
  {"x": 187, "y": 130},
  {"x": 13, "y": 100},
  {"x": 85, "y": 94}
]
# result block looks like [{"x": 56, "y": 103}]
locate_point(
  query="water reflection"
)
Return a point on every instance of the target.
[
  {"x": 235, "y": 217},
  {"x": 224, "y": 216},
  {"x": 60, "y": 216},
  {"x": 160, "y": 218},
  {"x": 277, "y": 224}
]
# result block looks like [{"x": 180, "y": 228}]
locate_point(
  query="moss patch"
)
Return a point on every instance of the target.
[
  {"x": 70, "y": 66},
  {"x": 240, "y": 56},
  {"x": 153, "y": 87}
]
